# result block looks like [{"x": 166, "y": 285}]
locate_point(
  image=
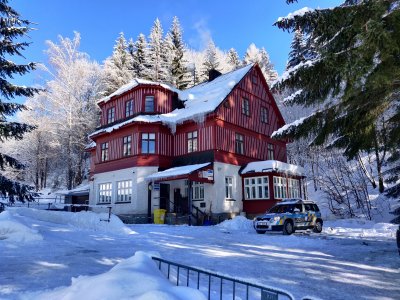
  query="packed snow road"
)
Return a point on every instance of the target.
[{"x": 349, "y": 260}]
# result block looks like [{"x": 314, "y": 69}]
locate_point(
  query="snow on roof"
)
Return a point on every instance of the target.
[
  {"x": 198, "y": 101},
  {"x": 90, "y": 145},
  {"x": 79, "y": 189},
  {"x": 177, "y": 171},
  {"x": 134, "y": 83},
  {"x": 272, "y": 166}
]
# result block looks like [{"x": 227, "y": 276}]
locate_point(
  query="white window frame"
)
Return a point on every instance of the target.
[
  {"x": 105, "y": 193},
  {"x": 192, "y": 141},
  {"x": 280, "y": 187},
  {"x": 124, "y": 191},
  {"x": 197, "y": 190},
  {"x": 228, "y": 187},
  {"x": 256, "y": 188},
  {"x": 293, "y": 188}
]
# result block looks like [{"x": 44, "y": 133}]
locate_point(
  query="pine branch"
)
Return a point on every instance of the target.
[
  {"x": 6, "y": 160},
  {"x": 13, "y": 130}
]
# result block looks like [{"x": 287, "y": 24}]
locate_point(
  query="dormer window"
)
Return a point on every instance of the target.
[
  {"x": 110, "y": 115},
  {"x": 128, "y": 108},
  {"x": 149, "y": 104}
]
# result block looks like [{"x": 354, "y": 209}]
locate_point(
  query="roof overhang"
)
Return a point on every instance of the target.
[
  {"x": 198, "y": 172},
  {"x": 269, "y": 166}
]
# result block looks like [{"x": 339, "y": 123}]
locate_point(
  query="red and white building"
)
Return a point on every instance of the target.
[{"x": 208, "y": 147}]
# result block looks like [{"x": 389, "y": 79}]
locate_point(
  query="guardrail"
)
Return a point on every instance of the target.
[{"x": 217, "y": 286}]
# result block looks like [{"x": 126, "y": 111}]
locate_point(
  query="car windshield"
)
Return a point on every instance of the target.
[{"x": 282, "y": 208}]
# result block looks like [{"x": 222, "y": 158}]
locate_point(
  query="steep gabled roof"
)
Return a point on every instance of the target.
[{"x": 198, "y": 100}]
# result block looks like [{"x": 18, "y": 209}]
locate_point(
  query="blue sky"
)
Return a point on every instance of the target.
[{"x": 230, "y": 23}]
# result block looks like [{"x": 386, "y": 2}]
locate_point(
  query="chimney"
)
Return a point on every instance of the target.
[{"x": 212, "y": 74}]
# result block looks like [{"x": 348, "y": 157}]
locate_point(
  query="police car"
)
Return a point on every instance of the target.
[{"x": 290, "y": 215}]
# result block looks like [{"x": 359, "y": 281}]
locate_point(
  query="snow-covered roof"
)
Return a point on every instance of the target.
[
  {"x": 198, "y": 101},
  {"x": 134, "y": 83},
  {"x": 84, "y": 188},
  {"x": 273, "y": 166},
  {"x": 175, "y": 172},
  {"x": 90, "y": 145}
]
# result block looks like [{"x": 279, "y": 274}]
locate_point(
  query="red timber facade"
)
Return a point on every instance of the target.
[{"x": 154, "y": 140}]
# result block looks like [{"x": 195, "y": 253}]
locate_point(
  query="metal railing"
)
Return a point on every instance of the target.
[{"x": 217, "y": 286}]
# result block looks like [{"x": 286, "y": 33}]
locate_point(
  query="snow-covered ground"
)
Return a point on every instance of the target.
[{"x": 61, "y": 255}]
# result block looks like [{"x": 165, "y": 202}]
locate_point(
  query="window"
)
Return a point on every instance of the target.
[
  {"x": 254, "y": 79},
  {"x": 105, "y": 192},
  {"x": 128, "y": 108},
  {"x": 256, "y": 188},
  {"x": 104, "y": 151},
  {"x": 245, "y": 107},
  {"x": 280, "y": 187},
  {"x": 126, "y": 145},
  {"x": 293, "y": 188},
  {"x": 124, "y": 191},
  {"x": 228, "y": 187},
  {"x": 149, "y": 104},
  {"x": 264, "y": 115},
  {"x": 239, "y": 143},
  {"x": 110, "y": 115},
  {"x": 197, "y": 190},
  {"x": 271, "y": 152},
  {"x": 192, "y": 141},
  {"x": 148, "y": 143}
]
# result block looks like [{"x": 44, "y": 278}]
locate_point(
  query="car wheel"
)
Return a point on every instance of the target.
[
  {"x": 318, "y": 226},
  {"x": 261, "y": 231},
  {"x": 288, "y": 228}
]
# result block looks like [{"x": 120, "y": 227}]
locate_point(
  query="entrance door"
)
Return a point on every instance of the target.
[{"x": 164, "y": 195}]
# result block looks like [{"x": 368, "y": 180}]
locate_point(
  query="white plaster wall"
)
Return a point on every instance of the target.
[
  {"x": 215, "y": 193},
  {"x": 138, "y": 204}
]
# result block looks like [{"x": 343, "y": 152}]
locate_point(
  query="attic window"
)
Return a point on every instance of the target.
[
  {"x": 149, "y": 104},
  {"x": 254, "y": 79},
  {"x": 245, "y": 107},
  {"x": 129, "y": 108}
]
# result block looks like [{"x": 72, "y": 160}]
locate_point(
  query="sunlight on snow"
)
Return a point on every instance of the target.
[
  {"x": 51, "y": 265},
  {"x": 108, "y": 261}
]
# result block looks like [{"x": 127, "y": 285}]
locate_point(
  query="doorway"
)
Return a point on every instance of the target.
[{"x": 164, "y": 196}]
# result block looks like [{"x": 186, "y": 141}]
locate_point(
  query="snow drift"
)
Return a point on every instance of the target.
[
  {"x": 134, "y": 278},
  {"x": 83, "y": 220},
  {"x": 13, "y": 231}
]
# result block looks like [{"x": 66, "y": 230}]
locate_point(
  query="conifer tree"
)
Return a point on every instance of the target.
[
  {"x": 117, "y": 67},
  {"x": 261, "y": 57},
  {"x": 211, "y": 60},
  {"x": 298, "y": 49},
  {"x": 12, "y": 27},
  {"x": 233, "y": 59},
  {"x": 178, "y": 69},
  {"x": 139, "y": 57},
  {"x": 351, "y": 77},
  {"x": 156, "y": 60}
]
